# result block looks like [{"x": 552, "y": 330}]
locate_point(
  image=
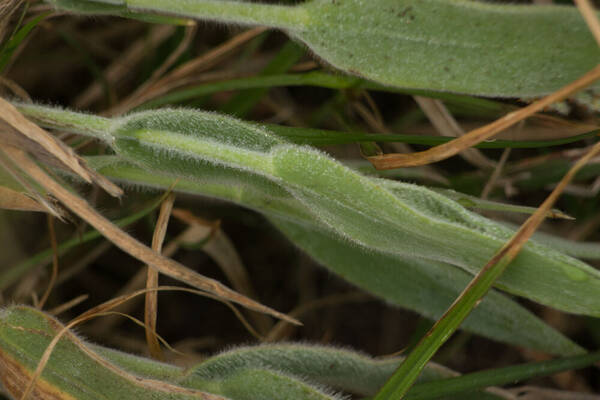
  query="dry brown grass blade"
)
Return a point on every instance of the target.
[
  {"x": 190, "y": 31},
  {"x": 151, "y": 306},
  {"x": 443, "y": 151},
  {"x": 13, "y": 200},
  {"x": 40, "y": 198},
  {"x": 282, "y": 330},
  {"x": 152, "y": 384},
  {"x": 83, "y": 262},
  {"x": 138, "y": 280},
  {"x": 105, "y": 308},
  {"x": 546, "y": 127},
  {"x": 529, "y": 227},
  {"x": 214, "y": 56},
  {"x": 446, "y": 125},
  {"x": 122, "y": 299},
  {"x": 524, "y": 165},
  {"x": 11, "y": 116},
  {"x": 477, "y": 288},
  {"x": 141, "y": 324},
  {"x": 18, "y": 130},
  {"x": 16, "y": 89},
  {"x": 536, "y": 127},
  {"x": 7, "y": 8},
  {"x": 188, "y": 217},
  {"x": 378, "y": 125},
  {"x": 512, "y": 248},
  {"x": 121, "y": 67},
  {"x": 183, "y": 74},
  {"x": 134, "y": 379},
  {"x": 589, "y": 15},
  {"x": 134, "y": 97},
  {"x": 487, "y": 189},
  {"x": 221, "y": 249},
  {"x": 130, "y": 245},
  {"x": 68, "y": 305},
  {"x": 100, "y": 328}
]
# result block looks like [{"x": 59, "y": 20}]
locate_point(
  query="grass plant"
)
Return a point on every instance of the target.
[{"x": 264, "y": 133}]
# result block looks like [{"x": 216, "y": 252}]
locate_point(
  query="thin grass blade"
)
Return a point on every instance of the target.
[{"x": 399, "y": 384}]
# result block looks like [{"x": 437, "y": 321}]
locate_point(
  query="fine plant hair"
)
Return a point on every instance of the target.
[
  {"x": 372, "y": 39},
  {"x": 436, "y": 252},
  {"x": 302, "y": 190},
  {"x": 312, "y": 370}
]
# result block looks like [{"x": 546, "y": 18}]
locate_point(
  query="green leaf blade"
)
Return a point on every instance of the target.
[
  {"x": 502, "y": 51},
  {"x": 426, "y": 287},
  {"x": 15, "y": 40},
  {"x": 382, "y": 215}
]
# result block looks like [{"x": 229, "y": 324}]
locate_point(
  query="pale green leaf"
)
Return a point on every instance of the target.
[
  {"x": 381, "y": 215},
  {"x": 427, "y": 287},
  {"x": 78, "y": 370},
  {"x": 442, "y": 45}
]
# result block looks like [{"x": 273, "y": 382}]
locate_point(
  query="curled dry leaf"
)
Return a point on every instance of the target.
[
  {"x": 151, "y": 304},
  {"x": 13, "y": 200},
  {"x": 443, "y": 151},
  {"x": 27, "y": 135},
  {"x": 130, "y": 245},
  {"x": 446, "y": 125},
  {"x": 19, "y": 132}
]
